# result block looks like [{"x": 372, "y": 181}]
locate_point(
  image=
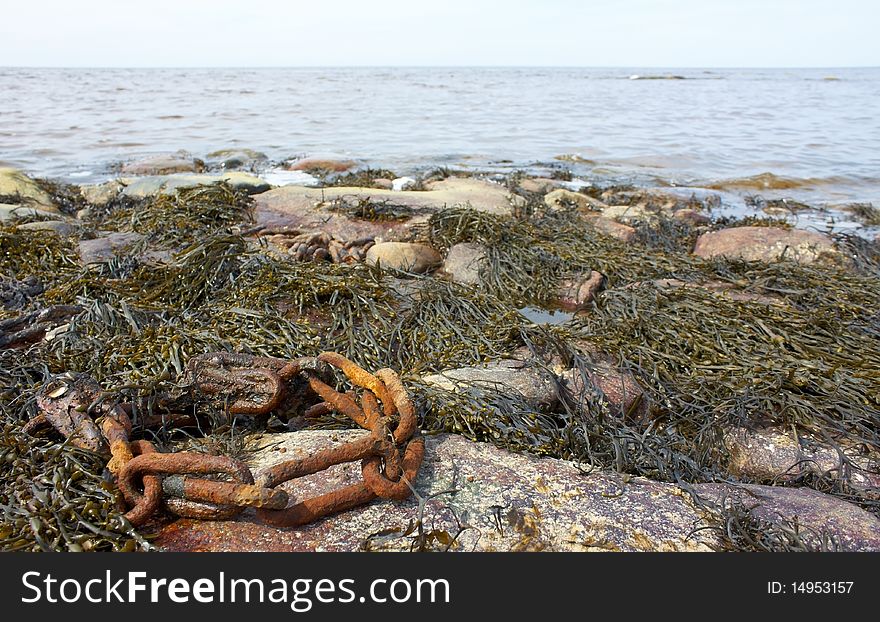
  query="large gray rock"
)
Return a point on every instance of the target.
[
  {"x": 766, "y": 244},
  {"x": 152, "y": 185},
  {"x": 14, "y": 183},
  {"x": 504, "y": 502},
  {"x": 403, "y": 256},
  {"x": 463, "y": 263}
]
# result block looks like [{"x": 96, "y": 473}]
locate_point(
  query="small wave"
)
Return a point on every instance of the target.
[
  {"x": 636, "y": 76},
  {"x": 81, "y": 174},
  {"x": 769, "y": 181},
  {"x": 281, "y": 177}
]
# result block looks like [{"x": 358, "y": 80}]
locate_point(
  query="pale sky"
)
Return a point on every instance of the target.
[{"x": 592, "y": 33}]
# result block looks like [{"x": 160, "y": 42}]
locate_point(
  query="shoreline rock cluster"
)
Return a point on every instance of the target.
[{"x": 482, "y": 497}]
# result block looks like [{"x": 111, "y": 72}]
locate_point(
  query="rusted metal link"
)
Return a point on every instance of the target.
[
  {"x": 386, "y": 486},
  {"x": 148, "y": 503},
  {"x": 184, "y": 463},
  {"x": 223, "y": 493},
  {"x": 390, "y": 452}
]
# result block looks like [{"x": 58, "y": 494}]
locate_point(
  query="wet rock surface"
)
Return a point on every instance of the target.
[{"x": 774, "y": 454}]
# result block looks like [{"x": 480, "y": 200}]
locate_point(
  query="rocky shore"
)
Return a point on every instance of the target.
[{"x": 608, "y": 368}]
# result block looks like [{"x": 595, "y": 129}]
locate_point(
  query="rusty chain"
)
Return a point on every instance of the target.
[{"x": 203, "y": 486}]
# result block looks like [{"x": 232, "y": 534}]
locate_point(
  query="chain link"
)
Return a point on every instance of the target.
[{"x": 209, "y": 487}]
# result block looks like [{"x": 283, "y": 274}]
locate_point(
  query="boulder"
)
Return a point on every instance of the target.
[
  {"x": 463, "y": 263},
  {"x": 766, "y": 244},
  {"x": 775, "y": 454},
  {"x": 562, "y": 198},
  {"x": 612, "y": 228},
  {"x": 525, "y": 378},
  {"x": 140, "y": 187},
  {"x": 503, "y": 502},
  {"x": 101, "y": 194},
  {"x": 58, "y": 227},
  {"x": 104, "y": 248},
  {"x": 233, "y": 159},
  {"x": 180, "y": 162},
  {"x": 323, "y": 165},
  {"x": 816, "y": 514},
  {"x": 302, "y": 208},
  {"x": 13, "y": 212},
  {"x": 403, "y": 256},
  {"x": 575, "y": 293},
  {"x": 14, "y": 183}
]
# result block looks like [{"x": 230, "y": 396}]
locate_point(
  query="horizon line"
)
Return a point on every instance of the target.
[{"x": 669, "y": 67}]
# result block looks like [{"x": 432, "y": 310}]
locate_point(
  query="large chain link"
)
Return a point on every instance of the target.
[{"x": 203, "y": 486}]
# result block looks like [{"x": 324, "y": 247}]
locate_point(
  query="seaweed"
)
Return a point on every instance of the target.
[
  {"x": 363, "y": 178},
  {"x": 705, "y": 361},
  {"x": 366, "y": 208}
]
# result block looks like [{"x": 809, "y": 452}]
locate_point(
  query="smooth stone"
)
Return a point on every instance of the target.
[
  {"x": 525, "y": 378},
  {"x": 104, "y": 248},
  {"x": 403, "y": 256},
  {"x": 322, "y": 164},
  {"x": 775, "y": 454},
  {"x": 167, "y": 164},
  {"x": 58, "y": 227},
  {"x": 816, "y": 513},
  {"x": 767, "y": 244},
  {"x": 612, "y": 228},
  {"x": 101, "y": 194},
  {"x": 231, "y": 159},
  {"x": 402, "y": 183}
]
